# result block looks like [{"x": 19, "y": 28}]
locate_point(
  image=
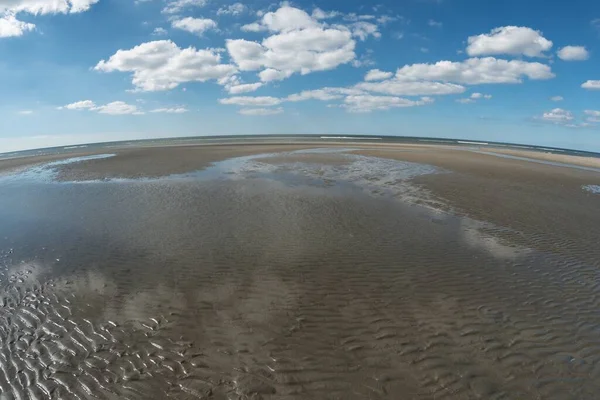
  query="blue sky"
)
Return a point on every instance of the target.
[{"x": 80, "y": 71}]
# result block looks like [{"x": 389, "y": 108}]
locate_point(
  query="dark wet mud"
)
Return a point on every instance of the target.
[{"x": 275, "y": 279}]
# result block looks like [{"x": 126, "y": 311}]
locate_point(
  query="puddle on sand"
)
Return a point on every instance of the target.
[{"x": 592, "y": 188}]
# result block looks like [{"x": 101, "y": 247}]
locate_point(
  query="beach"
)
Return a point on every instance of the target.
[{"x": 299, "y": 271}]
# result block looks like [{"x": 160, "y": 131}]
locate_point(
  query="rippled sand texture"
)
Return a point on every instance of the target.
[{"x": 286, "y": 276}]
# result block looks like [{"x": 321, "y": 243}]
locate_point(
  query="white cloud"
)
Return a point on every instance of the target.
[
  {"x": 243, "y": 88},
  {"x": 474, "y": 97},
  {"x": 592, "y": 85},
  {"x": 434, "y": 23},
  {"x": 162, "y": 65},
  {"x": 363, "y": 30},
  {"x": 478, "y": 96},
  {"x": 558, "y": 116},
  {"x": 175, "y": 6},
  {"x": 114, "y": 108},
  {"x": 159, "y": 31},
  {"x": 117, "y": 108},
  {"x": 80, "y": 105},
  {"x": 475, "y": 71},
  {"x": 325, "y": 94},
  {"x": 253, "y": 27},
  {"x": 173, "y": 110},
  {"x": 320, "y": 14},
  {"x": 260, "y": 101},
  {"x": 287, "y": 19},
  {"x": 357, "y": 17},
  {"x": 368, "y": 103},
  {"x": 25, "y": 112},
  {"x": 194, "y": 25},
  {"x": 260, "y": 111},
  {"x": 556, "y": 98},
  {"x": 270, "y": 74},
  {"x": 411, "y": 88},
  {"x": 232, "y": 9},
  {"x": 384, "y": 19},
  {"x": 592, "y": 113},
  {"x": 41, "y": 7},
  {"x": 377, "y": 75},
  {"x": 513, "y": 40},
  {"x": 573, "y": 53},
  {"x": 12, "y": 27},
  {"x": 300, "y": 45},
  {"x": 594, "y": 116}
]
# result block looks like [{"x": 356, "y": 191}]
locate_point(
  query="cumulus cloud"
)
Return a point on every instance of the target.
[
  {"x": 573, "y": 53},
  {"x": 363, "y": 30},
  {"x": 556, "y": 98},
  {"x": 558, "y": 116},
  {"x": 243, "y": 87},
  {"x": 232, "y": 9},
  {"x": 176, "y": 6},
  {"x": 434, "y": 23},
  {"x": 117, "y": 108},
  {"x": 253, "y": 27},
  {"x": 287, "y": 19},
  {"x": 25, "y": 112},
  {"x": 320, "y": 14},
  {"x": 477, "y": 96},
  {"x": 261, "y": 111},
  {"x": 173, "y": 110},
  {"x": 194, "y": 25},
  {"x": 475, "y": 71},
  {"x": 591, "y": 85},
  {"x": 377, "y": 75},
  {"x": 114, "y": 108},
  {"x": 403, "y": 87},
  {"x": 80, "y": 105},
  {"x": 474, "y": 97},
  {"x": 300, "y": 44},
  {"x": 592, "y": 113},
  {"x": 367, "y": 103},
  {"x": 325, "y": 94},
  {"x": 512, "y": 40},
  {"x": 271, "y": 74},
  {"x": 42, "y": 7},
  {"x": 162, "y": 65},
  {"x": 12, "y": 27},
  {"x": 259, "y": 101}
]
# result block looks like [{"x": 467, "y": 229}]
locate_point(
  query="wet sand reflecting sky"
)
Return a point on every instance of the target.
[{"x": 324, "y": 275}]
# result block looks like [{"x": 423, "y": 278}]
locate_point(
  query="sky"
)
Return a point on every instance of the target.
[{"x": 84, "y": 71}]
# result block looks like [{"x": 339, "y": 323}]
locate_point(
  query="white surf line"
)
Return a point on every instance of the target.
[
  {"x": 74, "y": 160},
  {"x": 468, "y": 142}
]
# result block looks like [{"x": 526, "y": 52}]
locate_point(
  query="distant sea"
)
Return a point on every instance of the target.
[{"x": 240, "y": 139}]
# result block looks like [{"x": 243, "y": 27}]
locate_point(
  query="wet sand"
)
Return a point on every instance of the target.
[
  {"x": 564, "y": 158},
  {"x": 408, "y": 273}
]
